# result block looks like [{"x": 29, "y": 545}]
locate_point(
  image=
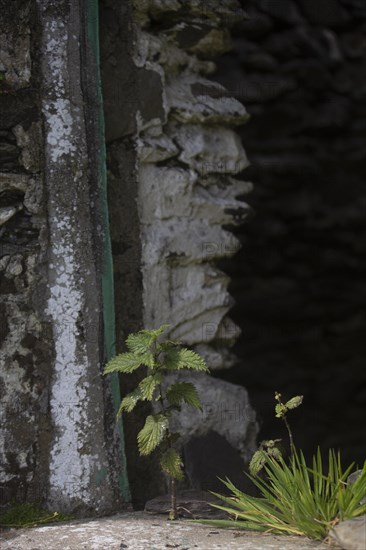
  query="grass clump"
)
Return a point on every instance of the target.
[{"x": 296, "y": 499}]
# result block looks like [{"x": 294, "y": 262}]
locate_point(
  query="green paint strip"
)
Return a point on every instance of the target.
[{"x": 107, "y": 279}]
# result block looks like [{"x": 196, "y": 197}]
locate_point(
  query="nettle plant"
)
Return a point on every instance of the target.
[
  {"x": 161, "y": 359},
  {"x": 270, "y": 448}
]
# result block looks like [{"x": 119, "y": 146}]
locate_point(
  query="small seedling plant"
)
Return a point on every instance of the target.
[
  {"x": 296, "y": 499},
  {"x": 161, "y": 359},
  {"x": 270, "y": 448}
]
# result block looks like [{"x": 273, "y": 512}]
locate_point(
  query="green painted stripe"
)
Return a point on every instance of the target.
[{"x": 107, "y": 276}]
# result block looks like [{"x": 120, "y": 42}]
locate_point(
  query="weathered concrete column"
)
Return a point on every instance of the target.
[{"x": 77, "y": 465}]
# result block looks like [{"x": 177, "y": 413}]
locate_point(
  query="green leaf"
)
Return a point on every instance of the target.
[
  {"x": 281, "y": 410},
  {"x": 177, "y": 359},
  {"x": 152, "y": 434},
  {"x": 148, "y": 385},
  {"x": 270, "y": 443},
  {"x": 171, "y": 462},
  {"x": 129, "y": 402},
  {"x": 183, "y": 392},
  {"x": 139, "y": 343},
  {"x": 294, "y": 402},
  {"x": 126, "y": 363},
  {"x": 275, "y": 453},
  {"x": 257, "y": 462},
  {"x": 296, "y": 499}
]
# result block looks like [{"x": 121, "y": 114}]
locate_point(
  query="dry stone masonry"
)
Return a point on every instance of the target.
[
  {"x": 188, "y": 192},
  {"x": 173, "y": 144},
  {"x": 26, "y": 333}
]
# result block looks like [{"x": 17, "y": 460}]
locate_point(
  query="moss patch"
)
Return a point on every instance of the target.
[{"x": 29, "y": 515}]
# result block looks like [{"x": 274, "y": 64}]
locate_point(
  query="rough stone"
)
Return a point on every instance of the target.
[
  {"x": 17, "y": 108},
  {"x": 153, "y": 149},
  {"x": 226, "y": 410},
  {"x": 217, "y": 358},
  {"x": 354, "y": 44},
  {"x": 285, "y": 11},
  {"x": 352, "y": 478},
  {"x": 329, "y": 13},
  {"x": 15, "y": 60},
  {"x": 191, "y": 504},
  {"x": 207, "y": 151},
  {"x": 141, "y": 530},
  {"x": 202, "y": 202},
  {"x": 29, "y": 141},
  {"x": 256, "y": 26},
  {"x": 162, "y": 48},
  {"x": 201, "y": 39},
  {"x": 259, "y": 87},
  {"x": 208, "y": 459},
  {"x": 194, "y": 100},
  {"x": 350, "y": 534},
  {"x": 9, "y": 154},
  {"x": 299, "y": 42}
]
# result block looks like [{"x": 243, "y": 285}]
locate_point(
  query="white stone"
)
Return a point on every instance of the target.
[
  {"x": 217, "y": 150},
  {"x": 226, "y": 409},
  {"x": 193, "y": 99}
]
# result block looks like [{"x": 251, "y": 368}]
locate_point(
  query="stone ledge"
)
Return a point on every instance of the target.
[{"x": 142, "y": 531}]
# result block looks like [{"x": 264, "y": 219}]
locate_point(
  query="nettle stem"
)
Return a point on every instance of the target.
[
  {"x": 292, "y": 446},
  {"x": 173, "y": 513}
]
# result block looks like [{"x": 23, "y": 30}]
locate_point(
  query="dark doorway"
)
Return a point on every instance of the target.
[{"x": 299, "y": 281}]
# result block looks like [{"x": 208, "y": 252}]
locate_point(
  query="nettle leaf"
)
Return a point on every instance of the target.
[
  {"x": 130, "y": 401},
  {"x": 170, "y": 463},
  {"x": 257, "y": 462},
  {"x": 281, "y": 410},
  {"x": 270, "y": 443},
  {"x": 176, "y": 359},
  {"x": 126, "y": 362},
  {"x": 275, "y": 453},
  {"x": 152, "y": 434},
  {"x": 140, "y": 342},
  {"x": 148, "y": 385},
  {"x": 294, "y": 402},
  {"x": 183, "y": 392}
]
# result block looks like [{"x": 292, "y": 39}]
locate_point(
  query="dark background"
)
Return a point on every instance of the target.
[{"x": 299, "y": 280}]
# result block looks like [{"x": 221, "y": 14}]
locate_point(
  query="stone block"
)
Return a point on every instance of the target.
[
  {"x": 206, "y": 151},
  {"x": 350, "y": 534},
  {"x": 327, "y": 13},
  {"x": 226, "y": 410},
  {"x": 285, "y": 11}
]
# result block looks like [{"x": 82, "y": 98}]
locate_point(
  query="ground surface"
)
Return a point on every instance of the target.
[{"x": 142, "y": 531}]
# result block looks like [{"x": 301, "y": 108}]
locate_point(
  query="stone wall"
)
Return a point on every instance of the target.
[
  {"x": 26, "y": 334},
  {"x": 299, "y": 279},
  {"x": 173, "y": 160}
]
